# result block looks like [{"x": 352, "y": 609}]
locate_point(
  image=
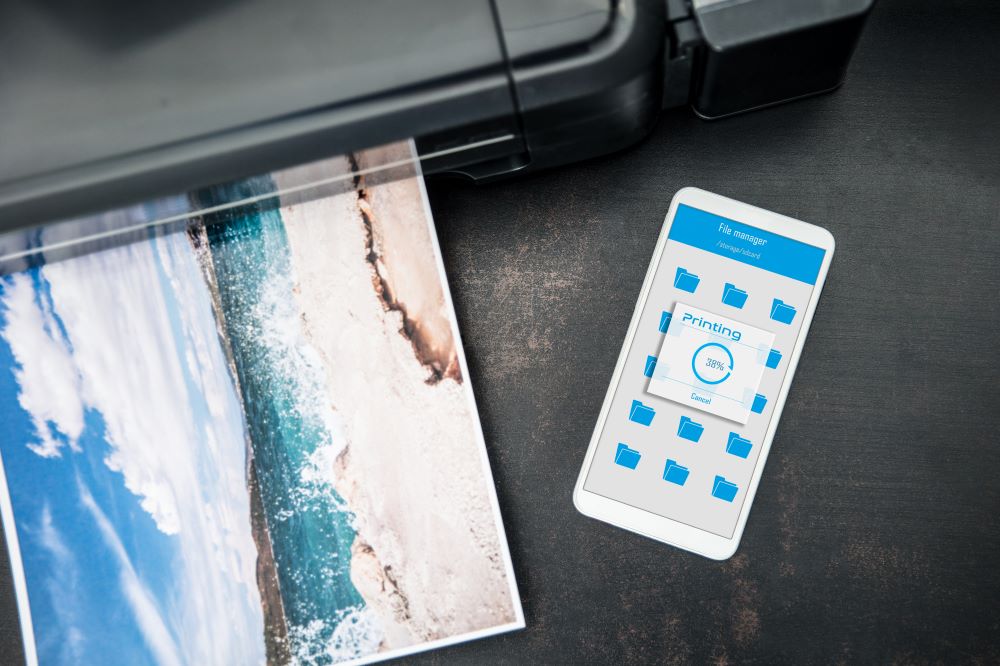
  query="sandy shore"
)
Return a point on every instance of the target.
[{"x": 427, "y": 558}]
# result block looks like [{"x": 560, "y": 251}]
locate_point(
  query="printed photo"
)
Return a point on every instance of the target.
[{"x": 246, "y": 436}]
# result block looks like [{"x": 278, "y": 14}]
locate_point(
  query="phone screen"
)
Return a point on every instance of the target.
[{"x": 703, "y": 371}]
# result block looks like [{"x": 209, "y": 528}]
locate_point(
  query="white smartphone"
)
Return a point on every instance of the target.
[{"x": 697, "y": 393}]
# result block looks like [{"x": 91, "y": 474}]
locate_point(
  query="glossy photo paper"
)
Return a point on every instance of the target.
[{"x": 248, "y": 437}]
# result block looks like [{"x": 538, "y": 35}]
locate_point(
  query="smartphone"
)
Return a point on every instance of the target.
[{"x": 687, "y": 422}]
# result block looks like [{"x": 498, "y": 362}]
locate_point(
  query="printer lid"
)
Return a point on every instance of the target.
[{"x": 115, "y": 101}]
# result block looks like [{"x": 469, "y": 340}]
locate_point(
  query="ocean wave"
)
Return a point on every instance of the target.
[
  {"x": 296, "y": 436},
  {"x": 279, "y": 332},
  {"x": 317, "y": 477},
  {"x": 292, "y": 361},
  {"x": 352, "y": 633}
]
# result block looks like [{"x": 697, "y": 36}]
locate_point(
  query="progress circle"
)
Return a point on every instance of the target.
[{"x": 712, "y": 363}]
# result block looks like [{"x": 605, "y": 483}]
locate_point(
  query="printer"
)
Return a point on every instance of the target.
[{"x": 111, "y": 102}]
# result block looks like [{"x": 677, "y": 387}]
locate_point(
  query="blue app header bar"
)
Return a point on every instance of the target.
[{"x": 750, "y": 245}]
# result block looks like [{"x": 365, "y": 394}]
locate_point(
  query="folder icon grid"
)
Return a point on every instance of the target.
[
  {"x": 731, "y": 295},
  {"x": 686, "y": 281},
  {"x": 724, "y": 490},
  {"x": 759, "y": 402},
  {"x": 626, "y": 457},
  {"x": 650, "y": 366},
  {"x": 773, "y": 358},
  {"x": 738, "y": 446},
  {"x": 674, "y": 473},
  {"x": 782, "y": 312},
  {"x": 640, "y": 413},
  {"x": 665, "y": 321},
  {"x": 689, "y": 430}
]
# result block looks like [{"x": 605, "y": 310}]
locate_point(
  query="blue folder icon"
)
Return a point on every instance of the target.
[
  {"x": 686, "y": 281},
  {"x": 759, "y": 402},
  {"x": 641, "y": 414},
  {"x": 626, "y": 457},
  {"x": 665, "y": 321},
  {"x": 773, "y": 358},
  {"x": 690, "y": 430},
  {"x": 782, "y": 312},
  {"x": 738, "y": 446},
  {"x": 731, "y": 295},
  {"x": 675, "y": 473},
  {"x": 650, "y": 366},
  {"x": 723, "y": 489}
]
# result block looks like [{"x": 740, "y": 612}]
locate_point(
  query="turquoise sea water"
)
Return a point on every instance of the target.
[{"x": 293, "y": 430}]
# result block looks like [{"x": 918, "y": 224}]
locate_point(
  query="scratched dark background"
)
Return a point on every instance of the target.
[{"x": 875, "y": 535}]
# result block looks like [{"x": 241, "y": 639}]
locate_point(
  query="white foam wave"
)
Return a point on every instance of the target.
[
  {"x": 292, "y": 357},
  {"x": 356, "y": 632}
]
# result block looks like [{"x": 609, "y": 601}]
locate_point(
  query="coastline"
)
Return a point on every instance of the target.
[
  {"x": 275, "y": 624},
  {"x": 372, "y": 306}
]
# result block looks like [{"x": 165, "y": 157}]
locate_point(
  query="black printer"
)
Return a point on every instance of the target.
[{"x": 110, "y": 102}]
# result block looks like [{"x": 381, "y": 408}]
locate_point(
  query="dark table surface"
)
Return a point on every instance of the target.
[{"x": 875, "y": 534}]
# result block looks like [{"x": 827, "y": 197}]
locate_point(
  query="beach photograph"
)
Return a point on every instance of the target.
[{"x": 248, "y": 436}]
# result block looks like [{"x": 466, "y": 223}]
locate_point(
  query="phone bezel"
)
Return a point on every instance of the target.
[{"x": 652, "y": 525}]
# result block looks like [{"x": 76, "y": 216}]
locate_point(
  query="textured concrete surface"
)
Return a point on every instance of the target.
[{"x": 874, "y": 535}]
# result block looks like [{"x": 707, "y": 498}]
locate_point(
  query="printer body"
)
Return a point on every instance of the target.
[{"x": 110, "y": 103}]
